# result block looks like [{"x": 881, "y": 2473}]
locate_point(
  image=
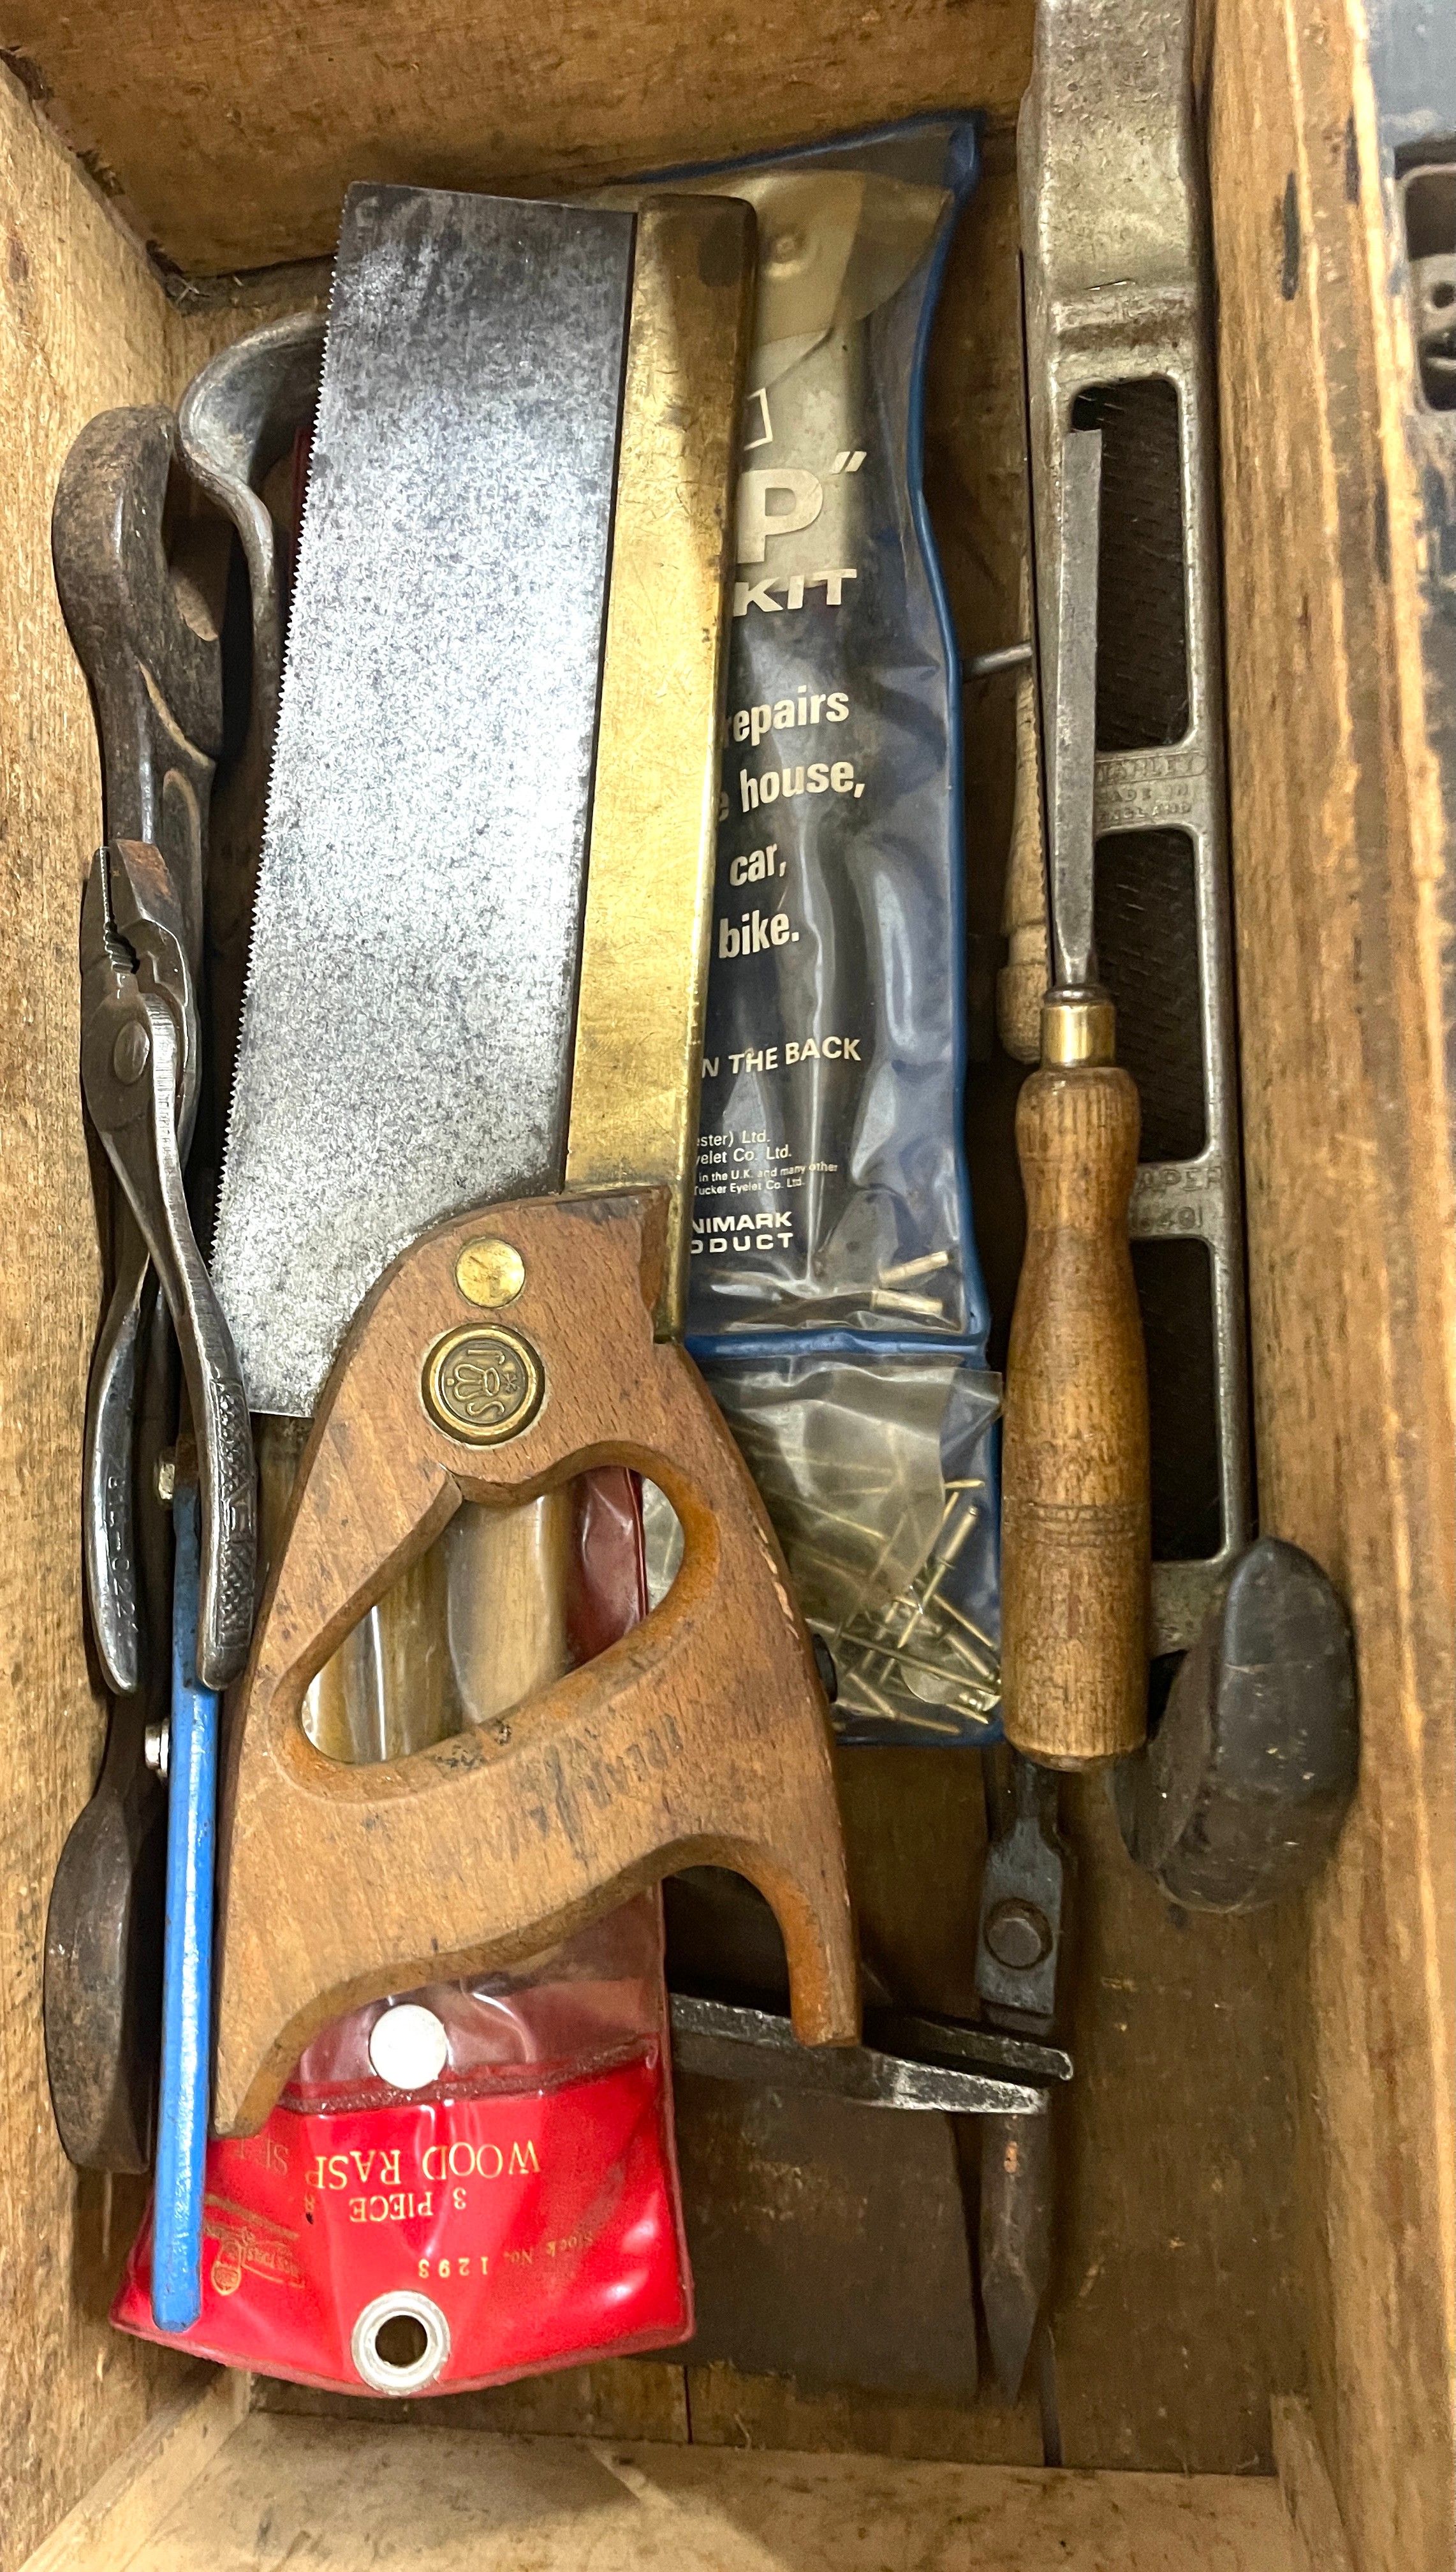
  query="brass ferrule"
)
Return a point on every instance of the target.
[{"x": 1078, "y": 1029}]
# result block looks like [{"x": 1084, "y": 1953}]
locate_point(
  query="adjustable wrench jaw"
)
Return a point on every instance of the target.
[{"x": 140, "y": 1056}]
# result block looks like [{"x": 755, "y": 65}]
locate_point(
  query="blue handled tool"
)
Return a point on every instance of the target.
[{"x": 186, "y": 1995}]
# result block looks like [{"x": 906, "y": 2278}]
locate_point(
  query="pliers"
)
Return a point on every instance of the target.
[{"x": 140, "y": 1072}]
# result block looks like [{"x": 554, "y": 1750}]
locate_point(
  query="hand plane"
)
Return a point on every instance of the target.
[
  {"x": 1119, "y": 346},
  {"x": 451, "y": 1227}
]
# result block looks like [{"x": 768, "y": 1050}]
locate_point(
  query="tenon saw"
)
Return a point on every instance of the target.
[{"x": 451, "y": 1223}]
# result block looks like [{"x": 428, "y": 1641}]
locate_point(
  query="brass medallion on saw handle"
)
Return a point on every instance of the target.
[
  {"x": 483, "y": 1386},
  {"x": 702, "y": 1738}
]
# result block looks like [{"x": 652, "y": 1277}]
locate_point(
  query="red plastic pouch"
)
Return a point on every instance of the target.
[
  {"x": 517, "y": 2212},
  {"x": 474, "y": 2181}
]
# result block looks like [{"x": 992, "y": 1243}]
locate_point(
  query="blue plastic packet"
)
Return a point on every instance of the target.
[{"x": 837, "y": 1304}]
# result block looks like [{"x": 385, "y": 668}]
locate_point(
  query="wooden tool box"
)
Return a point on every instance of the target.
[{"x": 1253, "y": 2301}]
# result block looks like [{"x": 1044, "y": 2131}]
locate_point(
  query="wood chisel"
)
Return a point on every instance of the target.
[
  {"x": 1075, "y": 1503},
  {"x": 477, "y": 974},
  {"x": 1023, "y": 976}
]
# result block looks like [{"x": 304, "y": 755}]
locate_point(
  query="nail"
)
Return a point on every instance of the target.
[{"x": 907, "y": 1269}]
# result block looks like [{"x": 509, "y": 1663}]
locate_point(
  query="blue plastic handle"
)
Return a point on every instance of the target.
[{"x": 187, "y": 1985}]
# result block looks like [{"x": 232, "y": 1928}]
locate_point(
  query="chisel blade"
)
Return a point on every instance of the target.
[
  {"x": 1073, "y": 751},
  {"x": 406, "y": 1043}
]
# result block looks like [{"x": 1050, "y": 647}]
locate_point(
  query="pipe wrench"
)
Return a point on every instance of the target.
[
  {"x": 140, "y": 580},
  {"x": 140, "y": 1065}
]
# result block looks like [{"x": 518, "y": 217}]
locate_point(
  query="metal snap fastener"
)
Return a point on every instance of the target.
[
  {"x": 408, "y": 2046},
  {"x": 400, "y": 2341}
]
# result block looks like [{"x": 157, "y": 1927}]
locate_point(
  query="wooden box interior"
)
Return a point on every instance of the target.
[{"x": 1258, "y": 2176}]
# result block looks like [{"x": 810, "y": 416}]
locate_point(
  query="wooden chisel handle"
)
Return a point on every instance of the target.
[{"x": 1075, "y": 1520}]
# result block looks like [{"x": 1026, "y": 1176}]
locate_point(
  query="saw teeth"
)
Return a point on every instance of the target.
[{"x": 268, "y": 809}]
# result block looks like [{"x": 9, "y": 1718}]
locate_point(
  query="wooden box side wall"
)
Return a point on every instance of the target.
[
  {"x": 229, "y": 135},
  {"x": 82, "y": 324},
  {"x": 1343, "y": 890}
]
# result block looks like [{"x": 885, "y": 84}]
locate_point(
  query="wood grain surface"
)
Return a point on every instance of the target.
[
  {"x": 126, "y": 2504},
  {"x": 210, "y": 2483},
  {"x": 702, "y": 1738},
  {"x": 1318, "y": 2540},
  {"x": 83, "y": 326},
  {"x": 230, "y": 132},
  {"x": 1179, "y": 2301},
  {"x": 295, "y": 2492},
  {"x": 1075, "y": 1493},
  {"x": 1344, "y": 889}
]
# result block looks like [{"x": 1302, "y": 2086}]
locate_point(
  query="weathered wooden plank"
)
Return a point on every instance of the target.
[
  {"x": 1316, "y": 2534},
  {"x": 82, "y": 324},
  {"x": 618, "y": 2397},
  {"x": 231, "y": 135},
  {"x": 1343, "y": 888},
  {"x": 1179, "y": 2209},
  {"x": 296, "y": 2492},
  {"x": 149, "y": 2477}
]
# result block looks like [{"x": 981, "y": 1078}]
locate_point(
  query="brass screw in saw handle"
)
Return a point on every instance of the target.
[{"x": 1076, "y": 1515}]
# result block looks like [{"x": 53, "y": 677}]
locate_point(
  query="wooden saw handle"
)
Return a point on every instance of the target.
[
  {"x": 1075, "y": 1499},
  {"x": 702, "y": 1738}
]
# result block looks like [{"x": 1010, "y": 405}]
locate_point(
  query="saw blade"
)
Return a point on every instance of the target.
[{"x": 406, "y": 1040}]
